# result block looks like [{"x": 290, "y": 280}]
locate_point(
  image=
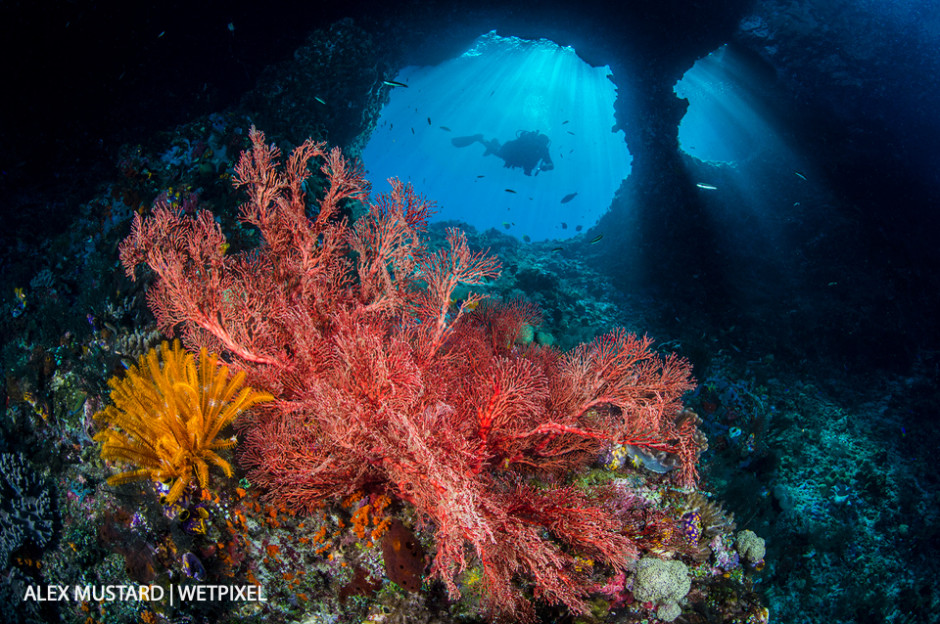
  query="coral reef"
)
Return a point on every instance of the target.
[
  {"x": 348, "y": 559},
  {"x": 385, "y": 385}
]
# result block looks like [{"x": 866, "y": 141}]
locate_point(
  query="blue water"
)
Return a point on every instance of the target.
[{"x": 498, "y": 88}]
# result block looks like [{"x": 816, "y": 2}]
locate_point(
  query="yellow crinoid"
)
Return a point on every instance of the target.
[{"x": 167, "y": 415}]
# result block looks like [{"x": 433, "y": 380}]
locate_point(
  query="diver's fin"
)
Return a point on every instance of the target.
[{"x": 464, "y": 141}]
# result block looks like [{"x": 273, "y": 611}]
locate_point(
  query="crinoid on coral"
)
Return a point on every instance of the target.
[{"x": 167, "y": 416}]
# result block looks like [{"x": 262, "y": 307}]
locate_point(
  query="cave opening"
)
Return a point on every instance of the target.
[{"x": 514, "y": 134}]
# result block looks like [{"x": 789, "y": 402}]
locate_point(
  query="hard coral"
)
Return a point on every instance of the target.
[
  {"x": 25, "y": 506},
  {"x": 750, "y": 546},
  {"x": 384, "y": 385},
  {"x": 663, "y": 583},
  {"x": 167, "y": 416}
]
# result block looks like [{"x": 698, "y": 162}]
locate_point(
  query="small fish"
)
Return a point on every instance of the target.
[
  {"x": 596, "y": 239},
  {"x": 564, "y": 225},
  {"x": 510, "y": 191},
  {"x": 799, "y": 175},
  {"x": 319, "y": 99},
  {"x": 481, "y": 176},
  {"x": 466, "y": 305},
  {"x": 578, "y": 229},
  {"x": 394, "y": 83},
  {"x": 564, "y": 122},
  {"x": 557, "y": 249},
  {"x": 412, "y": 131},
  {"x": 429, "y": 121},
  {"x": 231, "y": 27},
  {"x": 526, "y": 239},
  {"x": 507, "y": 224},
  {"x": 445, "y": 128},
  {"x": 162, "y": 32},
  {"x": 707, "y": 187},
  {"x": 570, "y": 132},
  {"x": 567, "y": 198}
]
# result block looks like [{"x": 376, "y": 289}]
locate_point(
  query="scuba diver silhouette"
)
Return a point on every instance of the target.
[{"x": 528, "y": 151}]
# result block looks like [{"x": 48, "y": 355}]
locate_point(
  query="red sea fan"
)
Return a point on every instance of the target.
[{"x": 383, "y": 384}]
